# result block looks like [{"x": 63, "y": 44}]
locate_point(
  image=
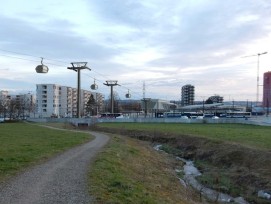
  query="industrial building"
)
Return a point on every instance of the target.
[{"x": 214, "y": 99}]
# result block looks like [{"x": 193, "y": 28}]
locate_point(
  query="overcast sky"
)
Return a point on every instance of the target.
[{"x": 167, "y": 44}]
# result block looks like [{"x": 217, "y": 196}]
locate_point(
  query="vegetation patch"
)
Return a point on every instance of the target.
[
  {"x": 231, "y": 157},
  {"x": 130, "y": 171},
  {"x": 247, "y": 135},
  {"x": 22, "y": 145}
]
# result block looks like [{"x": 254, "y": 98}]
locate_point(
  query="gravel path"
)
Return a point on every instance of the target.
[{"x": 62, "y": 179}]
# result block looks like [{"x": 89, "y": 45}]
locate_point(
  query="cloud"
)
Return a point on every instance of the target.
[{"x": 165, "y": 44}]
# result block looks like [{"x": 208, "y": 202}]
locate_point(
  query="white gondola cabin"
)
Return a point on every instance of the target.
[
  {"x": 94, "y": 86},
  {"x": 42, "y": 68}
]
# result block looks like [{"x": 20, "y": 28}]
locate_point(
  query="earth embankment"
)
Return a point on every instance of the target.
[{"x": 229, "y": 167}]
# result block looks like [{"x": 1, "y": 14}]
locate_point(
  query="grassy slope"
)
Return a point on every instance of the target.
[
  {"x": 23, "y": 144},
  {"x": 129, "y": 171},
  {"x": 248, "y": 135}
]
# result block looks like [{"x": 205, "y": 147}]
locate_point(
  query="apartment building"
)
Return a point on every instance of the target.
[
  {"x": 61, "y": 101},
  {"x": 16, "y": 105},
  {"x": 267, "y": 89},
  {"x": 188, "y": 95}
]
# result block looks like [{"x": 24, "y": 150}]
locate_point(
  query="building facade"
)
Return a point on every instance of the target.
[
  {"x": 16, "y": 106},
  {"x": 61, "y": 101},
  {"x": 215, "y": 99},
  {"x": 188, "y": 95},
  {"x": 267, "y": 89}
]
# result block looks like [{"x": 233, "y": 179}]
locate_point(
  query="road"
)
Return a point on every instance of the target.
[{"x": 62, "y": 179}]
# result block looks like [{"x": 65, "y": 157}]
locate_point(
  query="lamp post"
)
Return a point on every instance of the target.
[
  {"x": 77, "y": 67},
  {"x": 258, "y": 68}
]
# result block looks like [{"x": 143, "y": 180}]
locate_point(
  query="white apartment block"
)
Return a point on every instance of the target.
[
  {"x": 61, "y": 101},
  {"x": 24, "y": 104}
]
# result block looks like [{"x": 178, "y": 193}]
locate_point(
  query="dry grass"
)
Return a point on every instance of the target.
[{"x": 130, "y": 171}]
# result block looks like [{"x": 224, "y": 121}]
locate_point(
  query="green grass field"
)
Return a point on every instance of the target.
[
  {"x": 22, "y": 145},
  {"x": 248, "y": 135},
  {"x": 130, "y": 171}
]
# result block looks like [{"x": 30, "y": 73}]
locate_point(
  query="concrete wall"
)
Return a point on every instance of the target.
[{"x": 266, "y": 121}]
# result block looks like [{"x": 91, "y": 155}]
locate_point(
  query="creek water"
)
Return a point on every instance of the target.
[{"x": 191, "y": 172}]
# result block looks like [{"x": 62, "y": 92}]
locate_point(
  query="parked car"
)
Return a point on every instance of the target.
[
  {"x": 2, "y": 120},
  {"x": 215, "y": 117}
]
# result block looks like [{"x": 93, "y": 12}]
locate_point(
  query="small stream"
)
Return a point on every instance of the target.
[{"x": 190, "y": 174}]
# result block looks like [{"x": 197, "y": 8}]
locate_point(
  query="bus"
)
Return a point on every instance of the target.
[
  {"x": 182, "y": 114},
  {"x": 111, "y": 115},
  {"x": 238, "y": 114},
  {"x": 172, "y": 114}
]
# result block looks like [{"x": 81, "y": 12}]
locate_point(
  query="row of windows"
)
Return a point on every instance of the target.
[
  {"x": 54, "y": 105},
  {"x": 45, "y": 87}
]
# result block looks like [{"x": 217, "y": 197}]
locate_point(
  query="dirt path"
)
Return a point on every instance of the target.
[{"x": 62, "y": 179}]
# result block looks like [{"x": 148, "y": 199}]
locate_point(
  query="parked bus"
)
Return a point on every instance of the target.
[
  {"x": 238, "y": 114},
  {"x": 172, "y": 114},
  {"x": 111, "y": 115},
  {"x": 182, "y": 114}
]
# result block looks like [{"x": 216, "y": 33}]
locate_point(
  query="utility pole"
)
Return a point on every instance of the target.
[
  {"x": 111, "y": 83},
  {"x": 146, "y": 100},
  {"x": 77, "y": 67}
]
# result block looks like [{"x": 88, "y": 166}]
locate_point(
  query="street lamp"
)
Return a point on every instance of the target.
[
  {"x": 258, "y": 68},
  {"x": 77, "y": 66}
]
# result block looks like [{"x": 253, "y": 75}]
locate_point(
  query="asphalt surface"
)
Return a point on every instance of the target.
[{"x": 62, "y": 179}]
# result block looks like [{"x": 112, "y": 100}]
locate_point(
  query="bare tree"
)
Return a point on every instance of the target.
[
  {"x": 91, "y": 106},
  {"x": 117, "y": 106}
]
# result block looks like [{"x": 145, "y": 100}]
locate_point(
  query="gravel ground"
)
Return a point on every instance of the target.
[{"x": 62, "y": 179}]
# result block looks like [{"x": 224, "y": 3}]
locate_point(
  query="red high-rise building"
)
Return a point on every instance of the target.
[{"x": 267, "y": 89}]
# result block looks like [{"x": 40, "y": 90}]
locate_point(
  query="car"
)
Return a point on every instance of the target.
[
  {"x": 2, "y": 120},
  {"x": 215, "y": 117}
]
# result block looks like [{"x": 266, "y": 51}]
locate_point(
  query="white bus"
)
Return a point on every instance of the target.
[{"x": 238, "y": 114}]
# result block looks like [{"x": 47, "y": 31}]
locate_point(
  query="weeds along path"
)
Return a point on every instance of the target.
[{"x": 62, "y": 179}]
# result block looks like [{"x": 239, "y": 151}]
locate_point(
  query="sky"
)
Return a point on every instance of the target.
[{"x": 211, "y": 44}]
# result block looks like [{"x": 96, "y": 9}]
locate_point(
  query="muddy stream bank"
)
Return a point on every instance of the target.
[{"x": 228, "y": 168}]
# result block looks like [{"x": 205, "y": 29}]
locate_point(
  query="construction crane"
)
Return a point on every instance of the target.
[{"x": 258, "y": 67}]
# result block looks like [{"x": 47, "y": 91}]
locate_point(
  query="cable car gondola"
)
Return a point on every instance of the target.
[
  {"x": 94, "y": 86},
  {"x": 128, "y": 95},
  {"x": 43, "y": 69}
]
